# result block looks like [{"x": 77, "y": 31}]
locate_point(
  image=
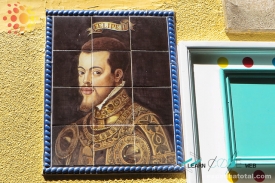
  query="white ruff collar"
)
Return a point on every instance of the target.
[{"x": 112, "y": 93}]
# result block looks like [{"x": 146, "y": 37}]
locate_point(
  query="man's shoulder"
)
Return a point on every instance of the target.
[{"x": 144, "y": 116}]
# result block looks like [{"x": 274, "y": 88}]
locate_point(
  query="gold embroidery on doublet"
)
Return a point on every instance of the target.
[
  {"x": 115, "y": 135},
  {"x": 130, "y": 150},
  {"x": 66, "y": 141}
]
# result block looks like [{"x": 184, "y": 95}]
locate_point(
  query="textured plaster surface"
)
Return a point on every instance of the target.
[
  {"x": 22, "y": 80},
  {"x": 250, "y": 15}
]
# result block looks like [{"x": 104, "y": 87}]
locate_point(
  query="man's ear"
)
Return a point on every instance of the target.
[{"x": 118, "y": 75}]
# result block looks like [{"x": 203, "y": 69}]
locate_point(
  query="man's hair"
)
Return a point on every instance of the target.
[{"x": 119, "y": 58}]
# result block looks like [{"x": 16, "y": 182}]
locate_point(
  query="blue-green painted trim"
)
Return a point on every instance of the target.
[
  {"x": 233, "y": 152},
  {"x": 225, "y": 75},
  {"x": 226, "y": 116},
  {"x": 255, "y": 157},
  {"x": 253, "y": 76}
]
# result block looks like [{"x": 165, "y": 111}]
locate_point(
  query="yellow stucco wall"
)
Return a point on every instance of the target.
[{"x": 22, "y": 79}]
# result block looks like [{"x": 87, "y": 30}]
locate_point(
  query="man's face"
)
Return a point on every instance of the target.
[{"x": 95, "y": 78}]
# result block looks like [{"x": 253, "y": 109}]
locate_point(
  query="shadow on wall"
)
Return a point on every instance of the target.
[
  {"x": 251, "y": 36},
  {"x": 169, "y": 177}
]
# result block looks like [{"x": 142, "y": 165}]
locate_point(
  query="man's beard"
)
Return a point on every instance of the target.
[
  {"x": 93, "y": 96},
  {"x": 87, "y": 102}
]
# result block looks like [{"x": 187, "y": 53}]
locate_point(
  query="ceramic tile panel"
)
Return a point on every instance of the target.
[
  {"x": 111, "y": 93},
  {"x": 98, "y": 68},
  {"x": 71, "y": 147},
  {"x": 114, "y": 145},
  {"x": 151, "y": 69},
  {"x": 161, "y": 150},
  {"x": 65, "y": 73},
  {"x": 149, "y": 34},
  {"x": 122, "y": 32},
  {"x": 155, "y": 101},
  {"x": 66, "y": 106},
  {"x": 70, "y": 33}
]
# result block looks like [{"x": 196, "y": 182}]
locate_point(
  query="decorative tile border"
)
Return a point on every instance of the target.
[{"x": 107, "y": 13}]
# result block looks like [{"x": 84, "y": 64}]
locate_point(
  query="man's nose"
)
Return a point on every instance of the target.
[{"x": 87, "y": 80}]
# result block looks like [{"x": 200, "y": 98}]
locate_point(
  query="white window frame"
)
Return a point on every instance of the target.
[{"x": 188, "y": 96}]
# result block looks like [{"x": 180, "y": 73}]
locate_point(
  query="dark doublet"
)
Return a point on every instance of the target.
[{"x": 121, "y": 133}]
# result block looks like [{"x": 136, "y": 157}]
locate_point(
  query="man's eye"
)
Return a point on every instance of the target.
[
  {"x": 80, "y": 73},
  {"x": 96, "y": 72}
]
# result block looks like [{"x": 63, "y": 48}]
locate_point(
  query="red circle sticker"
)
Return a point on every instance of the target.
[{"x": 248, "y": 62}]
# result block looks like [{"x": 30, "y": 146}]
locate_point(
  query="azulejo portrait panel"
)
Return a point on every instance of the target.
[{"x": 111, "y": 92}]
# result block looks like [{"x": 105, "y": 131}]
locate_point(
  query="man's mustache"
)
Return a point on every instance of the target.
[{"x": 85, "y": 89}]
